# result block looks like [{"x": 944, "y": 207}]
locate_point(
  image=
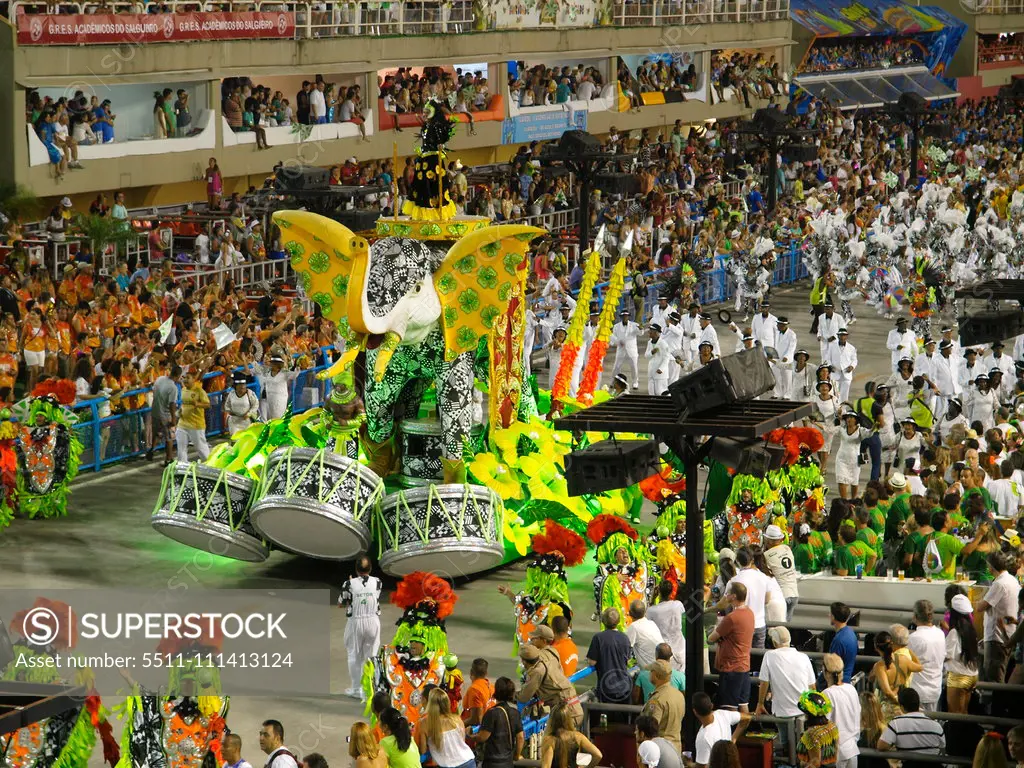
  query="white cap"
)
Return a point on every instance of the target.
[
  {"x": 65, "y": 202},
  {"x": 726, "y": 554},
  {"x": 803, "y": 530},
  {"x": 650, "y": 754},
  {"x": 898, "y": 480},
  {"x": 774, "y": 532},
  {"x": 961, "y": 604},
  {"x": 351, "y": 160}
]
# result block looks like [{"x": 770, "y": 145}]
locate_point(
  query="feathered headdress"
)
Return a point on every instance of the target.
[
  {"x": 66, "y": 635},
  {"x": 793, "y": 438},
  {"x": 558, "y": 542},
  {"x": 61, "y": 390},
  {"x": 609, "y": 533},
  {"x": 427, "y": 601}
]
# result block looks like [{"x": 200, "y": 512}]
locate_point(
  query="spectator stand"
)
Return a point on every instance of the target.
[
  {"x": 109, "y": 439},
  {"x": 645, "y": 13}
]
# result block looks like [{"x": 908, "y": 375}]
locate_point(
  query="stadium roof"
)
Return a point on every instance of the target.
[{"x": 874, "y": 88}]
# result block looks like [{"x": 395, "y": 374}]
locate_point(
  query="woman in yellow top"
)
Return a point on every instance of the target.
[{"x": 397, "y": 743}]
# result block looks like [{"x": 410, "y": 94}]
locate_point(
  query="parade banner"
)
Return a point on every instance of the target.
[
  {"x": 540, "y": 126},
  {"x": 114, "y": 29},
  {"x": 856, "y": 18}
]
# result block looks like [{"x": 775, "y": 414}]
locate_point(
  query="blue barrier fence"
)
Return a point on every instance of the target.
[{"x": 110, "y": 437}]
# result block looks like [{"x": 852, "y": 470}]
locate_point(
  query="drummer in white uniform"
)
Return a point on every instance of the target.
[
  {"x": 690, "y": 326},
  {"x": 360, "y": 596}
]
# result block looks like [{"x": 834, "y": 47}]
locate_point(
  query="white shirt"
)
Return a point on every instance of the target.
[
  {"x": 906, "y": 342},
  {"x": 1007, "y": 496},
  {"x": 277, "y": 760},
  {"x": 1002, "y": 600},
  {"x": 361, "y": 597},
  {"x": 239, "y": 764},
  {"x": 788, "y": 673},
  {"x": 764, "y": 329},
  {"x": 780, "y": 560},
  {"x": 785, "y": 347},
  {"x": 624, "y": 336},
  {"x": 709, "y": 735},
  {"x": 668, "y": 615},
  {"x": 954, "y": 663},
  {"x": 317, "y": 103},
  {"x": 846, "y": 715},
  {"x": 644, "y": 636},
  {"x": 929, "y": 644},
  {"x": 659, "y": 353},
  {"x": 710, "y": 334},
  {"x": 757, "y": 589}
]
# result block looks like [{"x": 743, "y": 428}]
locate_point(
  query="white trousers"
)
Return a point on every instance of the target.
[
  {"x": 783, "y": 382},
  {"x": 185, "y": 437},
  {"x": 362, "y": 641},
  {"x": 628, "y": 357},
  {"x": 657, "y": 385}
]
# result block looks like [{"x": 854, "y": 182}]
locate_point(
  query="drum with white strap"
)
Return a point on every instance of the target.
[
  {"x": 422, "y": 445},
  {"x": 317, "y": 503},
  {"x": 454, "y": 530},
  {"x": 208, "y": 509}
]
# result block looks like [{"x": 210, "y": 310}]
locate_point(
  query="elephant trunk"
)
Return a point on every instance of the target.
[{"x": 385, "y": 352}]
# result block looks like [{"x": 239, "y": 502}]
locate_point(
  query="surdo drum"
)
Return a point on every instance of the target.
[
  {"x": 317, "y": 503},
  {"x": 208, "y": 509},
  {"x": 453, "y": 530},
  {"x": 422, "y": 445}
]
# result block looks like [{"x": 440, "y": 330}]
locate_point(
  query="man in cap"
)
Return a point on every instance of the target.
[
  {"x": 785, "y": 671},
  {"x": 969, "y": 369},
  {"x": 652, "y": 750},
  {"x": 763, "y": 326},
  {"x": 672, "y": 335},
  {"x": 624, "y": 340},
  {"x": 661, "y": 312},
  {"x": 843, "y": 357},
  {"x": 900, "y": 342},
  {"x": 658, "y": 356},
  {"x": 998, "y": 360},
  {"x": 924, "y": 363},
  {"x": 784, "y": 345},
  {"x": 241, "y": 404},
  {"x": 947, "y": 335},
  {"x": 691, "y": 328},
  {"x": 619, "y": 385},
  {"x": 899, "y": 511},
  {"x": 546, "y": 682},
  {"x": 946, "y": 376},
  {"x": 708, "y": 334},
  {"x": 666, "y": 704},
  {"x": 828, "y": 329},
  {"x": 783, "y": 566},
  {"x": 542, "y": 638}
]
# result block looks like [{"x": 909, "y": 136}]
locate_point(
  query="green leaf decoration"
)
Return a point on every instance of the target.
[
  {"x": 340, "y": 285},
  {"x": 512, "y": 262},
  {"x": 469, "y": 301},
  {"x": 466, "y": 264},
  {"x": 325, "y": 300},
  {"x": 295, "y": 251},
  {"x": 505, "y": 291},
  {"x": 447, "y": 283},
  {"x": 403, "y": 230},
  {"x": 340, "y": 256},
  {"x": 307, "y": 281},
  {"x": 319, "y": 262},
  {"x": 465, "y": 338},
  {"x": 487, "y": 277},
  {"x": 457, "y": 229},
  {"x": 491, "y": 249},
  {"x": 489, "y": 315},
  {"x": 451, "y": 316}
]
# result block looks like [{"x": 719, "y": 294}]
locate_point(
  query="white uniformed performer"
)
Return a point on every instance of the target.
[
  {"x": 360, "y": 597},
  {"x": 843, "y": 358},
  {"x": 708, "y": 334},
  {"x": 763, "y": 325},
  {"x": 658, "y": 357},
  {"x": 802, "y": 382},
  {"x": 624, "y": 337},
  {"x": 241, "y": 404},
  {"x": 828, "y": 329},
  {"x": 276, "y": 382},
  {"x": 785, "y": 354},
  {"x": 901, "y": 342},
  {"x": 690, "y": 325},
  {"x": 673, "y": 336},
  {"x": 924, "y": 363},
  {"x": 662, "y": 310}
]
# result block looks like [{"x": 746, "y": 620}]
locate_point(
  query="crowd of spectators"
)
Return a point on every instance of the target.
[
  {"x": 406, "y": 92},
  {"x": 540, "y": 85},
  {"x": 254, "y": 108},
  {"x": 748, "y": 73},
  {"x": 1000, "y": 48},
  {"x": 861, "y": 53}
]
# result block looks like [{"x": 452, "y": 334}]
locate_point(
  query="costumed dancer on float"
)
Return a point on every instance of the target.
[
  {"x": 748, "y": 511},
  {"x": 48, "y": 449},
  {"x": 185, "y": 729},
  {"x": 417, "y": 653},
  {"x": 799, "y": 480},
  {"x": 667, "y": 544},
  {"x": 623, "y": 574},
  {"x": 66, "y": 739},
  {"x": 545, "y": 594},
  {"x": 428, "y": 199}
]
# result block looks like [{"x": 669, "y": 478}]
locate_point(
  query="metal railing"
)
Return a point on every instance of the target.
[
  {"x": 249, "y": 274},
  {"x": 670, "y": 13},
  {"x": 127, "y": 431},
  {"x": 345, "y": 18},
  {"x": 994, "y": 6}
]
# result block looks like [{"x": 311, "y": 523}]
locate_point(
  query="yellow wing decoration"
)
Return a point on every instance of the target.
[
  {"x": 475, "y": 282},
  {"x": 327, "y": 257}
]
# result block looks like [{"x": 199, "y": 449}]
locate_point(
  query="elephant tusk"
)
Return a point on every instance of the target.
[
  {"x": 344, "y": 362},
  {"x": 384, "y": 353}
]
